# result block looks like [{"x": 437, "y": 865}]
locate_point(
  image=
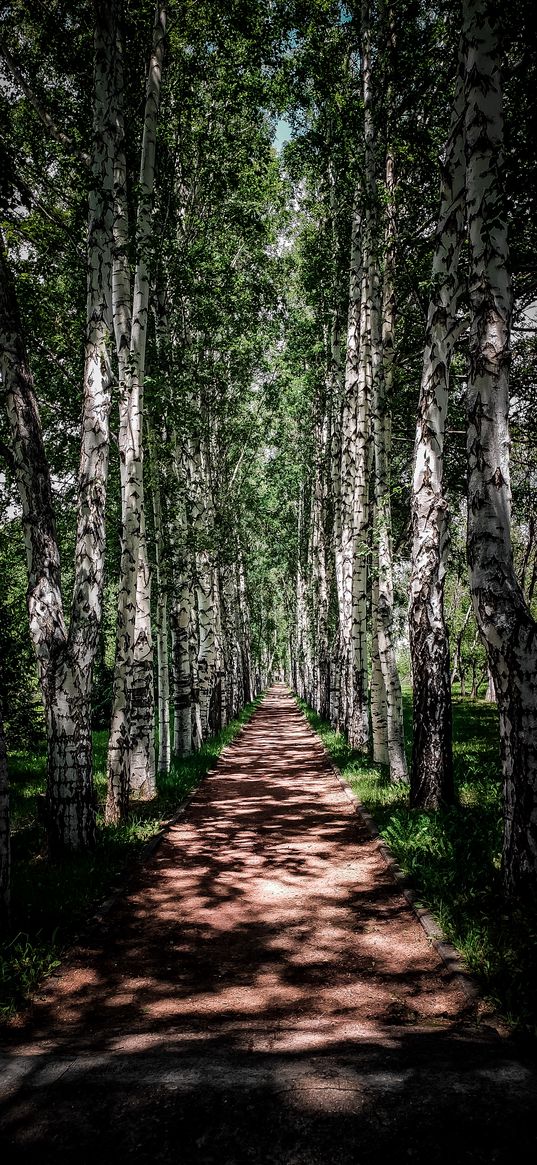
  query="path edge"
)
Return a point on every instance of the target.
[
  {"x": 147, "y": 850},
  {"x": 450, "y": 956}
]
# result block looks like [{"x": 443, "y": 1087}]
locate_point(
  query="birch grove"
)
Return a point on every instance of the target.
[
  {"x": 303, "y": 448},
  {"x": 357, "y": 553}
]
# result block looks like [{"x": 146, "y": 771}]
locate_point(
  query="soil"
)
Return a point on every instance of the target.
[{"x": 263, "y": 994}]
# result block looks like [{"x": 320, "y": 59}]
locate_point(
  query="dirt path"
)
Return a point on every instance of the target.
[{"x": 264, "y": 994}]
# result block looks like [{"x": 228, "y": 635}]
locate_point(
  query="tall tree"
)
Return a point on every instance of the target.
[
  {"x": 5, "y": 848},
  {"x": 131, "y": 758},
  {"x": 505, "y": 621},
  {"x": 65, "y": 653},
  {"x": 432, "y": 765}
]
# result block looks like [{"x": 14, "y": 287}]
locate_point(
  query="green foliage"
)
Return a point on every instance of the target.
[
  {"x": 19, "y": 696},
  {"x": 24, "y": 963},
  {"x": 453, "y": 858}
]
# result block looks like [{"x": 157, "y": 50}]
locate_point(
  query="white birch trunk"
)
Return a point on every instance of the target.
[
  {"x": 432, "y": 769},
  {"x": 505, "y": 622},
  {"x": 379, "y": 726},
  {"x": 490, "y": 694},
  {"x": 358, "y": 727},
  {"x": 142, "y": 779},
  {"x": 193, "y": 645},
  {"x": 382, "y": 341},
  {"x": 335, "y": 494},
  {"x": 182, "y": 699},
  {"x": 206, "y": 663},
  {"x": 244, "y": 635},
  {"x": 5, "y": 848},
  {"x": 319, "y": 577},
  {"x": 130, "y": 443},
  {"x": 163, "y": 669},
  {"x": 344, "y": 526},
  {"x": 65, "y": 656},
  {"x": 233, "y": 698},
  {"x": 217, "y": 716}
]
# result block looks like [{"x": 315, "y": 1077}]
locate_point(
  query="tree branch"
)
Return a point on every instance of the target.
[{"x": 42, "y": 113}]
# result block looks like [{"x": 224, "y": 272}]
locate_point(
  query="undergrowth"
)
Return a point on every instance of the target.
[
  {"x": 51, "y": 903},
  {"x": 453, "y": 858}
]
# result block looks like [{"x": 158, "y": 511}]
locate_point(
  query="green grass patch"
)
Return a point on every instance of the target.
[
  {"x": 453, "y": 858},
  {"x": 52, "y": 903}
]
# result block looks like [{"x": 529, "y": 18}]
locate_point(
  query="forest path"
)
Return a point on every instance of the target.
[{"x": 263, "y": 994}]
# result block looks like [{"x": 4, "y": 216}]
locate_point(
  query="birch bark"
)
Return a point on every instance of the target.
[
  {"x": 142, "y": 777},
  {"x": 336, "y": 498},
  {"x": 358, "y": 727},
  {"x": 431, "y": 781},
  {"x": 379, "y": 725},
  {"x": 183, "y": 683},
  {"x": 245, "y": 634},
  {"x": 133, "y": 638},
  {"x": 5, "y": 847},
  {"x": 505, "y": 621},
  {"x": 163, "y": 669},
  {"x": 382, "y": 348},
  {"x": 65, "y": 655},
  {"x": 320, "y": 541}
]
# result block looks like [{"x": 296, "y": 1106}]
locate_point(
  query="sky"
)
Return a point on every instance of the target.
[{"x": 283, "y": 133}]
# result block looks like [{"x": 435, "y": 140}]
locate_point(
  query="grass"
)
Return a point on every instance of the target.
[
  {"x": 51, "y": 904},
  {"x": 453, "y": 858}
]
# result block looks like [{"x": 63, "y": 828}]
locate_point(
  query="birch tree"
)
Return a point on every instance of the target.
[
  {"x": 5, "y": 848},
  {"x": 432, "y": 767},
  {"x": 162, "y": 620},
  {"x": 506, "y": 624},
  {"x": 65, "y": 651},
  {"x": 388, "y": 731},
  {"x": 131, "y": 759}
]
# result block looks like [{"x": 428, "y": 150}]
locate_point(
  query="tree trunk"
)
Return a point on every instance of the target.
[
  {"x": 490, "y": 694},
  {"x": 65, "y": 657},
  {"x": 431, "y": 781},
  {"x": 379, "y": 724},
  {"x": 346, "y": 565},
  {"x": 361, "y": 375},
  {"x": 142, "y": 783},
  {"x": 69, "y": 799},
  {"x": 382, "y": 341},
  {"x": 245, "y": 637},
  {"x": 182, "y": 698},
  {"x": 131, "y": 336},
  {"x": 505, "y": 622},
  {"x": 5, "y": 849},
  {"x": 338, "y": 653},
  {"x": 205, "y": 604},
  {"x": 163, "y": 669}
]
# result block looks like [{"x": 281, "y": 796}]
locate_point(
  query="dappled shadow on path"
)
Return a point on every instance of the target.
[{"x": 268, "y": 984}]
